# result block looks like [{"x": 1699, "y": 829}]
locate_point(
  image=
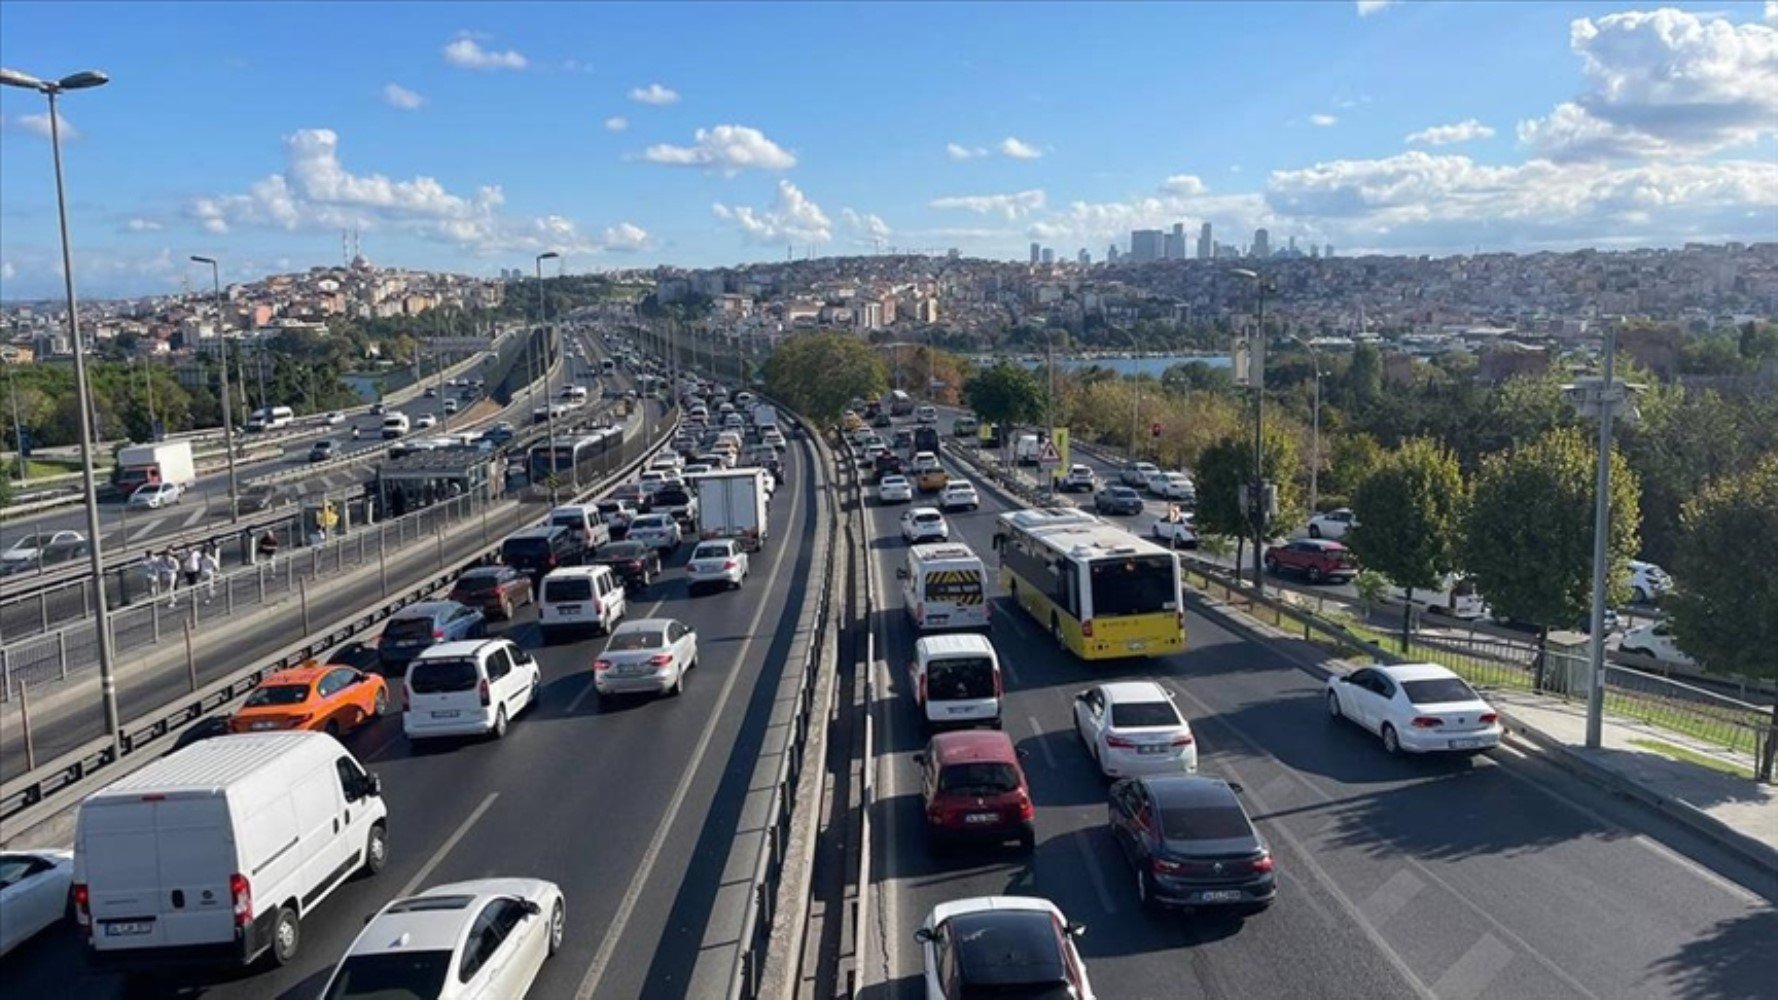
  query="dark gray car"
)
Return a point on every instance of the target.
[
  {"x": 1191, "y": 844},
  {"x": 1117, "y": 500}
]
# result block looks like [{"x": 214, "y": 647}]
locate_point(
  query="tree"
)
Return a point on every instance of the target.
[
  {"x": 819, "y": 374},
  {"x": 1363, "y": 381},
  {"x": 1006, "y": 394},
  {"x": 1228, "y": 463},
  {"x": 1726, "y": 611},
  {"x": 1410, "y": 516},
  {"x": 1528, "y": 537}
]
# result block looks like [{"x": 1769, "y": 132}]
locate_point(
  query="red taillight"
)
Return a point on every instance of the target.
[
  {"x": 1026, "y": 809},
  {"x": 486, "y": 696},
  {"x": 549, "y": 560},
  {"x": 1488, "y": 718},
  {"x": 437, "y": 633},
  {"x": 1086, "y": 628},
  {"x": 241, "y": 891},
  {"x": 660, "y": 659},
  {"x": 1262, "y": 864},
  {"x": 730, "y": 564},
  {"x": 600, "y": 666},
  {"x": 82, "y": 897},
  {"x": 1182, "y": 740},
  {"x": 1427, "y": 722},
  {"x": 1119, "y": 742}
]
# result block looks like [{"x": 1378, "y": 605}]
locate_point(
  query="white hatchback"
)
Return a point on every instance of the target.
[
  {"x": 468, "y": 688},
  {"x": 154, "y": 496},
  {"x": 924, "y": 524},
  {"x": 1133, "y": 728},
  {"x": 716, "y": 563}
]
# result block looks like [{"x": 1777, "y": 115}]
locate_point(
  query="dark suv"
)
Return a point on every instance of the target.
[
  {"x": 536, "y": 551},
  {"x": 1315, "y": 558}
]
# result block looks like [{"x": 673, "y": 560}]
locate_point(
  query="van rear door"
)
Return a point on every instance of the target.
[{"x": 157, "y": 871}]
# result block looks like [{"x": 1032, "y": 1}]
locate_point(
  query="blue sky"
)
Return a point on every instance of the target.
[{"x": 471, "y": 136}]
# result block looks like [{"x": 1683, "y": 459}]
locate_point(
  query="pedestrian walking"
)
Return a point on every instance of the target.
[
  {"x": 193, "y": 564},
  {"x": 169, "y": 575},
  {"x": 151, "y": 571},
  {"x": 266, "y": 549},
  {"x": 209, "y": 565}
]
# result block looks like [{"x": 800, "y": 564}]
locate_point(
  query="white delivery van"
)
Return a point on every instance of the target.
[
  {"x": 956, "y": 680},
  {"x": 394, "y": 425},
  {"x": 943, "y": 587},
  {"x": 215, "y": 854},
  {"x": 575, "y": 598},
  {"x": 585, "y": 522}
]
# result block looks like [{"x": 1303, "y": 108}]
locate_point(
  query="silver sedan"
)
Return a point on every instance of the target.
[{"x": 646, "y": 656}]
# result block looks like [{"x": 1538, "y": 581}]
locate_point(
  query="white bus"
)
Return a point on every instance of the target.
[{"x": 271, "y": 419}]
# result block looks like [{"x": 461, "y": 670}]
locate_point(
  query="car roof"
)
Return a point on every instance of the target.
[
  {"x": 305, "y": 674},
  {"x": 1006, "y": 947},
  {"x": 1133, "y": 691},
  {"x": 645, "y": 625},
  {"x": 954, "y": 644},
  {"x": 1415, "y": 671},
  {"x": 966, "y": 746},
  {"x": 411, "y": 928},
  {"x": 426, "y": 609},
  {"x": 1176, "y": 790},
  {"x": 917, "y": 511},
  {"x": 453, "y": 649}
]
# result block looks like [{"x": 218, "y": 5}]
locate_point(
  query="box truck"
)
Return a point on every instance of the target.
[
  {"x": 165, "y": 462},
  {"x": 732, "y": 504}
]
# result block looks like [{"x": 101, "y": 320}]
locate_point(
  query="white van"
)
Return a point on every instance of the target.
[
  {"x": 584, "y": 522},
  {"x": 580, "y": 597},
  {"x": 274, "y": 418},
  {"x": 471, "y": 687},
  {"x": 957, "y": 680},
  {"x": 394, "y": 425},
  {"x": 215, "y": 854},
  {"x": 943, "y": 586},
  {"x": 1455, "y": 597}
]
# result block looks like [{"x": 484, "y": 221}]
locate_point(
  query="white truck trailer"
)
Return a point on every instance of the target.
[{"x": 732, "y": 504}]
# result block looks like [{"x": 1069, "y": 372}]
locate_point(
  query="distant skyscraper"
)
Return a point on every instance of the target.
[
  {"x": 1111, "y": 254},
  {"x": 1147, "y": 245},
  {"x": 1176, "y": 245},
  {"x": 1314, "y": 251},
  {"x": 1206, "y": 246},
  {"x": 1293, "y": 246},
  {"x": 1049, "y": 255},
  {"x": 1083, "y": 257},
  {"x": 1327, "y": 250},
  {"x": 1262, "y": 243},
  {"x": 1036, "y": 253}
]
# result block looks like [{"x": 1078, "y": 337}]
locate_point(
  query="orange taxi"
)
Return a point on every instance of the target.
[{"x": 329, "y": 698}]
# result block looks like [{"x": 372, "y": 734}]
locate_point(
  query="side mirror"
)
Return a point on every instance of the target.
[
  {"x": 901, "y": 572},
  {"x": 923, "y": 935},
  {"x": 1076, "y": 930},
  {"x": 532, "y": 907},
  {"x": 920, "y": 758},
  {"x": 373, "y": 785},
  {"x": 1236, "y": 787},
  {"x": 1082, "y": 696}
]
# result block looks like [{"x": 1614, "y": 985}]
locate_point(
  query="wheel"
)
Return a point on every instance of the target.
[
  {"x": 558, "y": 925},
  {"x": 505, "y": 608},
  {"x": 678, "y": 687},
  {"x": 499, "y": 730},
  {"x": 1636, "y": 651},
  {"x": 1314, "y": 531},
  {"x": 1027, "y": 841},
  {"x": 1314, "y": 574},
  {"x": 1391, "y": 742},
  {"x": 531, "y": 699},
  {"x": 376, "y": 849},
  {"x": 1271, "y": 565},
  {"x": 287, "y": 937},
  {"x": 1640, "y": 595},
  {"x": 1333, "y": 706}
]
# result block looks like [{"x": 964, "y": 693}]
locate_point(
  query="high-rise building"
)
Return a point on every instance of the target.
[
  {"x": 1049, "y": 255},
  {"x": 1327, "y": 250},
  {"x": 1262, "y": 243},
  {"x": 1111, "y": 254},
  {"x": 1147, "y": 245},
  {"x": 1036, "y": 253},
  {"x": 1206, "y": 246},
  {"x": 1176, "y": 245},
  {"x": 1293, "y": 246},
  {"x": 1083, "y": 257},
  {"x": 1314, "y": 251}
]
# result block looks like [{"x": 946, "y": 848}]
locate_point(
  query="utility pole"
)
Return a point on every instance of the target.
[{"x": 1258, "y": 495}]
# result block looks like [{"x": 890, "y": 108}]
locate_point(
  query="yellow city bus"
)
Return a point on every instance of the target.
[{"x": 1101, "y": 591}]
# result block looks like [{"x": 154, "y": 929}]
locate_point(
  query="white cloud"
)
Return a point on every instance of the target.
[
  {"x": 625, "y": 236},
  {"x": 7, "y": 271},
  {"x": 865, "y": 227},
  {"x": 1018, "y": 149},
  {"x": 1183, "y": 184},
  {"x": 617, "y": 123},
  {"x": 1324, "y": 121},
  {"x": 1368, "y": 7},
  {"x": 1772, "y": 10},
  {"x": 1466, "y": 130},
  {"x": 794, "y": 219},
  {"x": 655, "y": 94},
  {"x": 397, "y": 96},
  {"x": 1663, "y": 83},
  {"x": 729, "y": 148},
  {"x": 142, "y": 226},
  {"x": 467, "y": 53},
  {"x": 38, "y": 124},
  {"x": 1009, "y": 206},
  {"x": 958, "y": 152}
]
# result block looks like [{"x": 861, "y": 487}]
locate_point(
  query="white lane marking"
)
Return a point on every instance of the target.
[
  {"x": 887, "y": 889},
  {"x": 445, "y": 848},
  {"x": 1392, "y": 896},
  {"x": 1043, "y": 746},
  {"x": 574, "y": 706},
  {"x": 1475, "y": 971},
  {"x": 1094, "y": 872},
  {"x": 614, "y": 932}
]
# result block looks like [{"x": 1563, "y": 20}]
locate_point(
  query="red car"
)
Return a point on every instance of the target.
[
  {"x": 1315, "y": 558},
  {"x": 496, "y": 590},
  {"x": 974, "y": 789}
]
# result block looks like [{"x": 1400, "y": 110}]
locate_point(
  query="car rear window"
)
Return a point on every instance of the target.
[
  {"x": 954, "y": 678},
  {"x": 637, "y": 639},
  {"x": 671, "y": 497},
  {"x": 620, "y": 550},
  {"x": 573, "y": 522},
  {"x": 1438, "y": 690},
  {"x": 480, "y": 583},
  {"x": 1201, "y": 822},
  {"x": 979, "y": 778},
  {"x": 278, "y": 694},
  {"x": 441, "y": 676},
  {"x": 410, "y": 975},
  {"x": 1127, "y": 714},
  {"x": 525, "y": 548},
  {"x": 710, "y": 552},
  {"x": 574, "y": 588},
  {"x": 409, "y": 628}
]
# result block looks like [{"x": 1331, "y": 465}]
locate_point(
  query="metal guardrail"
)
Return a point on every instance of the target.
[{"x": 861, "y": 915}]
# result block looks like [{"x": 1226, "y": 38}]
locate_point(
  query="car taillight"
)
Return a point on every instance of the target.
[
  {"x": 730, "y": 564},
  {"x": 660, "y": 659},
  {"x": 1182, "y": 740},
  {"x": 1026, "y": 809},
  {"x": 82, "y": 896},
  {"x": 485, "y": 694},
  {"x": 1119, "y": 742},
  {"x": 1488, "y": 718},
  {"x": 999, "y": 685},
  {"x": 600, "y": 666},
  {"x": 241, "y": 891},
  {"x": 1161, "y": 866},
  {"x": 1262, "y": 864},
  {"x": 549, "y": 560},
  {"x": 635, "y": 564},
  {"x": 1086, "y": 627},
  {"x": 1427, "y": 722},
  {"x": 438, "y": 633}
]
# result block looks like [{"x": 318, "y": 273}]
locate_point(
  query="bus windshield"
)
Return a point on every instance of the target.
[{"x": 1133, "y": 585}]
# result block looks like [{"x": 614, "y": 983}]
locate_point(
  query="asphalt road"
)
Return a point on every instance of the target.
[
  {"x": 620, "y": 804},
  {"x": 1462, "y": 879}
]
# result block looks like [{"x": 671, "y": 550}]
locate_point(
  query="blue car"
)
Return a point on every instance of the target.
[{"x": 418, "y": 626}]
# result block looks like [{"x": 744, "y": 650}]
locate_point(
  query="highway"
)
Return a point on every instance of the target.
[
  {"x": 629, "y": 807},
  {"x": 1461, "y": 879}
]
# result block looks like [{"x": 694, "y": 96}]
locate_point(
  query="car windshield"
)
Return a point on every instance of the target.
[
  {"x": 571, "y": 588},
  {"x": 1204, "y": 822},
  {"x": 978, "y": 778},
  {"x": 409, "y": 975},
  {"x": 637, "y": 639},
  {"x": 277, "y": 694},
  {"x": 1134, "y": 714},
  {"x": 957, "y": 678},
  {"x": 1438, "y": 691},
  {"x": 443, "y": 675}
]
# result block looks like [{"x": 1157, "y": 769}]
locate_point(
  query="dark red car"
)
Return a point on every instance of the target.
[
  {"x": 973, "y": 789},
  {"x": 1314, "y": 558},
  {"x": 496, "y": 590}
]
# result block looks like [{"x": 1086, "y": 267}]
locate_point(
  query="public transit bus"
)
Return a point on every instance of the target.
[
  {"x": 1101, "y": 591},
  {"x": 576, "y": 460}
]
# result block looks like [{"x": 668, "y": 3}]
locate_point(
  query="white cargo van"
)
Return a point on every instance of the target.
[
  {"x": 215, "y": 854},
  {"x": 585, "y": 522},
  {"x": 956, "y": 680},
  {"x": 942, "y": 587},
  {"x": 394, "y": 425}
]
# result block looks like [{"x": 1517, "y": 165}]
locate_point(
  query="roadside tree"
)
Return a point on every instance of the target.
[
  {"x": 819, "y": 373},
  {"x": 1410, "y": 519}
]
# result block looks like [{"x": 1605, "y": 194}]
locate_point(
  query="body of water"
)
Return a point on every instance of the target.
[{"x": 1151, "y": 365}]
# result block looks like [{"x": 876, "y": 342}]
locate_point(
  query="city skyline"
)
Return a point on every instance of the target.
[{"x": 621, "y": 143}]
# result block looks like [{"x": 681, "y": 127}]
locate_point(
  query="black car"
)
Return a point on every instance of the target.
[
  {"x": 1191, "y": 844},
  {"x": 638, "y": 564},
  {"x": 536, "y": 551},
  {"x": 888, "y": 464},
  {"x": 1117, "y": 500}
]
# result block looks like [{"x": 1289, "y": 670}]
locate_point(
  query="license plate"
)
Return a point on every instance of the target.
[
  {"x": 123, "y": 928},
  {"x": 1467, "y": 744},
  {"x": 936, "y": 619},
  {"x": 956, "y": 710},
  {"x": 1136, "y": 645},
  {"x": 1220, "y": 895},
  {"x": 1153, "y": 748},
  {"x": 263, "y": 725},
  {"x": 569, "y": 609},
  {"x": 981, "y": 817},
  {"x": 450, "y": 714}
]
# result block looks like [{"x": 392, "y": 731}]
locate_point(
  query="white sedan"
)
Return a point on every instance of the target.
[
  {"x": 720, "y": 563},
  {"x": 1416, "y": 707},
  {"x": 1655, "y": 641},
  {"x": 484, "y": 939},
  {"x": 333, "y": 419},
  {"x": 924, "y": 524},
  {"x": 657, "y": 531},
  {"x": 1172, "y": 486},
  {"x": 31, "y": 550},
  {"x": 154, "y": 496},
  {"x": 895, "y": 489},
  {"x": 1133, "y": 728},
  {"x": 958, "y": 495},
  {"x": 1333, "y": 524},
  {"x": 649, "y": 656},
  {"x": 33, "y": 893},
  {"x": 1175, "y": 534}
]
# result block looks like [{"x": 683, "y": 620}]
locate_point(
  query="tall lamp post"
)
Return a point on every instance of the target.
[
  {"x": 51, "y": 89},
  {"x": 1257, "y": 492},
  {"x": 1315, "y": 434},
  {"x": 228, "y": 419},
  {"x": 549, "y": 409}
]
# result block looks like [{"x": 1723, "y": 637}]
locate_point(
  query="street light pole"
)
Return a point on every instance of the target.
[
  {"x": 1315, "y": 438},
  {"x": 549, "y": 409},
  {"x": 1256, "y": 494},
  {"x": 107, "y": 646},
  {"x": 228, "y": 418}
]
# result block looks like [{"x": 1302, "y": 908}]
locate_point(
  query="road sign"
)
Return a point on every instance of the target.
[{"x": 1049, "y": 455}]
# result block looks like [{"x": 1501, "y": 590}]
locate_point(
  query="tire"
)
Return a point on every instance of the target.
[
  {"x": 1271, "y": 566},
  {"x": 558, "y": 924},
  {"x": 505, "y": 610},
  {"x": 1333, "y": 706},
  {"x": 678, "y": 687},
  {"x": 1391, "y": 742},
  {"x": 376, "y": 850},
  {"x": 1314, "y": 574},
  {"x": 1314, "y": 531},
  {"x": 1640, "y": 596},
  {"x": 1027, "y": 842},
  {"x": 500, "y": 725},
  {"x": 287, "y": 937}
]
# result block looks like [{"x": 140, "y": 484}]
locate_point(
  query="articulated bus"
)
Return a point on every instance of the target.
[
  {"x": 1101, "y": 591},
  {"x": 573, "y": 460}
]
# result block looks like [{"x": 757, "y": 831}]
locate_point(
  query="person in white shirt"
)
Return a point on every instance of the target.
[
  {"x": 193, "y": 564},
  {"x": 151, "y": 571},
  {"x": 209, "y": 564},
  {"x": 169, "y": 574}
]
